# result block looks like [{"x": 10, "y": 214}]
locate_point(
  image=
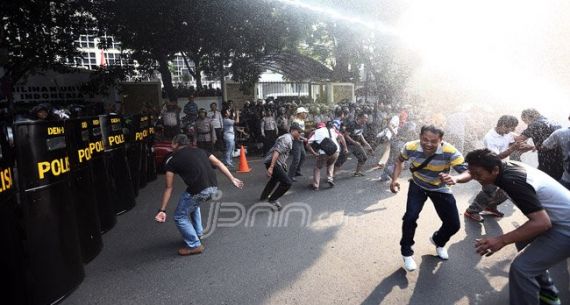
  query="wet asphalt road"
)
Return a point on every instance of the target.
[{"x": 334, "y": 246}]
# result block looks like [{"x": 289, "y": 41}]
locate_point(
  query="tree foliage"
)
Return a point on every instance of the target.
[
  {"x": 219, "y": 37},
  {"x": 40, "y": 35},
  {"x": 150, "y": 29}
]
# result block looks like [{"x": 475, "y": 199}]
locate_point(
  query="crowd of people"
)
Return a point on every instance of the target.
[{"x": 332, "y": 134}]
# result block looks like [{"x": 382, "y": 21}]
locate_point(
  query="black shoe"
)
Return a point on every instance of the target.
[
  {"x": 331, "y": 183},
  {"x": 314, "y": 188}
]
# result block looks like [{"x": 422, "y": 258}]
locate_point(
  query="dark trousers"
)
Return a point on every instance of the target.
[
  {"x": 446, "y": 210},
  {"x": 298, "y": 153},
  {"x": 269, "y": 140},
  {"x": 279, "y": 176},
  {"x": 219, "y": 139}
]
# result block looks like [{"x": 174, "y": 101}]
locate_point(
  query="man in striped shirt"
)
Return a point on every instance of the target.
[{"x": 431, "y": 159}]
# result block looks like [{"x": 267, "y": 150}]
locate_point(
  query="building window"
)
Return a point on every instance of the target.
[{"x": 86, "y": 41}]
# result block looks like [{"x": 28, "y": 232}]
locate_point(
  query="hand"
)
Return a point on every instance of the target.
[
  {"x": 516, "y": 146},
  {"x": 345, "y": 151},
  {"x": 525, "y": 147},
  {"x": 369, "y": 148},
  {"x": 488, "y": 246},
  {"x": 237, "y": 183},
  {"x": 447, "y": 179},
  {"x": 395, "y": 186},
  {"x": 160, "y": 217},
  {"x": 270, "y": 171},
  {"x": 380, "y": 165}
]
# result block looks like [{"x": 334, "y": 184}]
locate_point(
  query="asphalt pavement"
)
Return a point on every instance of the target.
[{"x": 333, "y": 246}]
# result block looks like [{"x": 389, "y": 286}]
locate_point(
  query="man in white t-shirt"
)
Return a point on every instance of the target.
[
  {"x": 325, "y": 131},
  {"x": 385, "y": 137},
  {"x": 501, "y": 141}
]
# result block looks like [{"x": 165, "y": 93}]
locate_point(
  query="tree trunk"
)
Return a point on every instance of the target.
[
  {"x": 196, "y": 72},
  {"x": 166, "y": 77},
  {"x": 222, "y": 78}
]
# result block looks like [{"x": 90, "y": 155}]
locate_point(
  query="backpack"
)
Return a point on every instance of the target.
[{"x": 327, "y": 145}]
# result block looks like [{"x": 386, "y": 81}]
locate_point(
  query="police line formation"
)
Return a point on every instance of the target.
[{"x": 72, "y": 179}]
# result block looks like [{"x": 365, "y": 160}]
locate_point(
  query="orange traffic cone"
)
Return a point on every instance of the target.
[{"x": 243, "y": 166}]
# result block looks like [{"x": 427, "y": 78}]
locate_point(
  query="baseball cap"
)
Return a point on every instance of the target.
[{"x": 302, "y": 110}]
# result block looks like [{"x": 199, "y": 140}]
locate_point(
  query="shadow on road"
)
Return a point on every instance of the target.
[
  {"x": 445, "y": 282},
  {"x": 396, "y": 279}
]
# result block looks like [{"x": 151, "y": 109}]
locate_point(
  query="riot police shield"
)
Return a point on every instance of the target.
[
  {"x": 82, "y": 190},
  {"x": 101, "y": 181},
  {"x": 134, "y": 149},
  {"x": 143, "y": 135},
  {"x": 12, "y": 254},
  {"x": 151, "y": 163},
  {"x": 54, "y": 266},
  {"x": 116, "y": 163}
]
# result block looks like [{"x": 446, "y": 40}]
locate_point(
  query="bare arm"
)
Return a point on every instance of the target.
[
  {"x": 274, "y": 158},
  {"x": 350, "y": 140},
  {"x": 521, "y": 138},
  {"x": 363, "y": 141},
  {"x": 538, "y": 223},
  {"x": 224, "y": 170},
  {"x": 342, "y": 142},
  {"x": 169, "y": 178},
  {"x": 395, "y": 185},
  {"x": 309, "y": 147},
  {"x": 512, "y": 148},
  {"x": 452, "y": 180}
]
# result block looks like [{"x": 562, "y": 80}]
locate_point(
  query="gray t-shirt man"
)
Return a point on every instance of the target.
[
  {"x": 561, "y": 139},
  {"x": 283, "y": 145}
]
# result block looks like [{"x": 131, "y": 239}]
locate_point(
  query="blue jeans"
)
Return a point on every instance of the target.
[
  {"x": 446, "y": 210},
  {"x": 188, "y": 218},
  {"x": 230, "y": 146}
]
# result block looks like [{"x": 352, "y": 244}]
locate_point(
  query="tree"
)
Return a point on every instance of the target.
[
  {"x": 346, "y": 46},
  {"x": 40, "y": 35},
  {"x": 150, "y": 29},
  {"x": 222, "y": 34}
]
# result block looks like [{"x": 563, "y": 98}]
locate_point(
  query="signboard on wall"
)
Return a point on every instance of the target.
[{"x": 56, "y": 88}]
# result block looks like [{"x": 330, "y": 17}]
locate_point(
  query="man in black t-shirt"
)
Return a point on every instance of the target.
[
  {"x": 543, "y": 240},
  {"x": 194, "y": 166},
  {"x": 354, "y": 137}
]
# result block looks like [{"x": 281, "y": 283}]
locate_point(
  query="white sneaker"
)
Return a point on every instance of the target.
[
  {"x": 441, "y": 251},
  {"x": 409, "y": 263}
]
